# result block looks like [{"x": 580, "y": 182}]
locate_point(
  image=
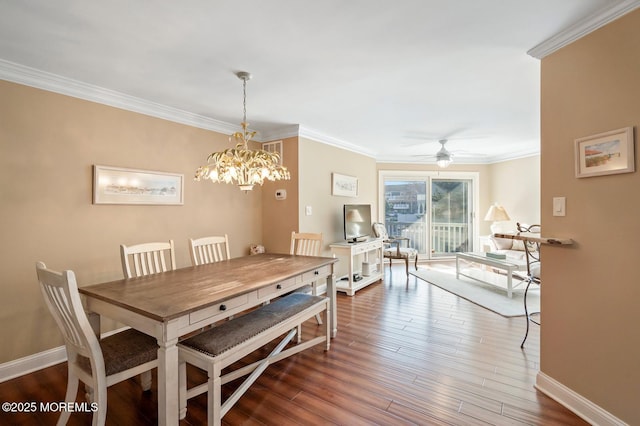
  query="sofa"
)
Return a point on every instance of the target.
[{"x": 513, "y": 249}]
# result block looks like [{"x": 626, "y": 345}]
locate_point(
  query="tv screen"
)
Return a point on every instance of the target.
[{"x": 357, "y": 222}]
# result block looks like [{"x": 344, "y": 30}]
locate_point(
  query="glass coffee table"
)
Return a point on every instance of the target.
[{"x": 508, "y": 265}]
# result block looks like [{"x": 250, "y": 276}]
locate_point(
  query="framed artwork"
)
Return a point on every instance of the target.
[
  {"x": 605, "y": 153},
  {"x": 343, "y": 185},
  {"x": 116, "y": 185}
]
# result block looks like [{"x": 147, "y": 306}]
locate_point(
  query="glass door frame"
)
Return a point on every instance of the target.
[{"x": 427, "y": 176}]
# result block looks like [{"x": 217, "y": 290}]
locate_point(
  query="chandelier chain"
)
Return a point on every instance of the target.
[{"x": 244, "y": 100}]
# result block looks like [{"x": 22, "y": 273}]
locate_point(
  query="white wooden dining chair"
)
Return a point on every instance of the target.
[
  {"x": 147, "y": 258},
  {"x": 97, "y": 363},
  {"x": 307, "y": 244},
  {"x": 209, "y": 249}
]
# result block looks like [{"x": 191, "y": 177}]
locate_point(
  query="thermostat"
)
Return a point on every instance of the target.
[{"x": 281, "y": 194}]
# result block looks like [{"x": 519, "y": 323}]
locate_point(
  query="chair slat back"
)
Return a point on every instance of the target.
[
  {"x": 60, "y": 292},
  {"x": 306, "y": 243},
  {"x": 209, "y": 249},
  {"x": 147, "y": 258}
]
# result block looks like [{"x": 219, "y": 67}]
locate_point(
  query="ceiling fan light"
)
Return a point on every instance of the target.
[
  {"x": 443, "y": 158},
  {"x": 443, "y": 162}
]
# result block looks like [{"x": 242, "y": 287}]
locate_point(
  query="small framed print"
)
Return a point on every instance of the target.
[
  {"x": 343, "y": 185},
  {"x": 605, "y": 153}
]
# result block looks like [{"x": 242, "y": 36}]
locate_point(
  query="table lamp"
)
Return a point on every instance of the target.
[{"x": 496, "y": 214}]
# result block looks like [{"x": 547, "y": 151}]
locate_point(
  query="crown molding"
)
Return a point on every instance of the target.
[
  {"x": 583, "y": 27},
  {"x": 330, "y": 140},
  {"x": 514, "y": 156},
  {"x": 283, "y": 132},
  {"x": 465, "y": 160},
  {"x": 32, "y": 77}
]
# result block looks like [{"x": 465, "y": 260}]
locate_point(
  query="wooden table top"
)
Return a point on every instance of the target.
[{"x": 172, "y": 294}]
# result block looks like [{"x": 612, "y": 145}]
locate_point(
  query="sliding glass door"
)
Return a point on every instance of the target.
[
  {"x": 435, "y": 211},
  {"x": 405, "y": 208},
  {"x": 451, "y": 216}
]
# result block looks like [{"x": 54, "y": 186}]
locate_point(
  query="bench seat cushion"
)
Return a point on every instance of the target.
[{"x": 221, "y": 338}]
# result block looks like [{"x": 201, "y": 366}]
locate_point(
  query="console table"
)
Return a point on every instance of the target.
[{"x": 369, "y": 249}]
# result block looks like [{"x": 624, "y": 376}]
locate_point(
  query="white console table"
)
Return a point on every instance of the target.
[{"x": 372, "y": 252}]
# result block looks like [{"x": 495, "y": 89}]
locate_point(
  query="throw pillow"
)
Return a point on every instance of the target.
[{"x": 503, "y": 243}]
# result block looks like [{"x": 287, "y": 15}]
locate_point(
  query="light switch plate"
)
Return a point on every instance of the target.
[
  {"x": 559, "y": 206},
  {"x": 308, "y": 211}
]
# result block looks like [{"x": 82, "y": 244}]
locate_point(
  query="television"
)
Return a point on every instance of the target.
[{"x": 357, "y": 222}]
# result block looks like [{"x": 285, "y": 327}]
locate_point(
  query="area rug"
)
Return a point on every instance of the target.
[{"x": 488, "y": 296}]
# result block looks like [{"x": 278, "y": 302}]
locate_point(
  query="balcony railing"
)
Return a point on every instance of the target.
[{"x": 446, "y": 238}]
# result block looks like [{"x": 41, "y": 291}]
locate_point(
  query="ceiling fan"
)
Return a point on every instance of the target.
[{"x": 443, "y": 157}]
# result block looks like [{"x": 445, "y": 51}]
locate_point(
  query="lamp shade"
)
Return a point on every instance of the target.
[
  {"x": 354, "y": 216},
  {"x": 497, "y": 213}
]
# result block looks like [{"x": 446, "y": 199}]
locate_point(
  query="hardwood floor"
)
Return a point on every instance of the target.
[{"x": 406, "y": 352}]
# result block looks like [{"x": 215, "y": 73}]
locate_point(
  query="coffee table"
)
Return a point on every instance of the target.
[{"x": 507, "y": 265}]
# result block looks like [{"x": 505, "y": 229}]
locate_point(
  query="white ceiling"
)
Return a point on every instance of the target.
[{"x": 384, "y": 78}]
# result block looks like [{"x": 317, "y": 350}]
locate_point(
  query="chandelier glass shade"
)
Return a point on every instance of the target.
[{"x": 240, "y": 165}]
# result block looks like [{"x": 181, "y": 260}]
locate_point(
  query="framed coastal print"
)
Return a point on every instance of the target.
[
  {"x": 605, "y": 153},
  {"x": 343, "y": 185},
  {"x": 116, "y": 185}
]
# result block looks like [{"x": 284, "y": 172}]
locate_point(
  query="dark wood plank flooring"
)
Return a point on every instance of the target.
[{"x": 406, "y": 352}]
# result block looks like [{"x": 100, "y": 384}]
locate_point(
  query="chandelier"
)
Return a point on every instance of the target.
[{"x": 240, "y": 165}]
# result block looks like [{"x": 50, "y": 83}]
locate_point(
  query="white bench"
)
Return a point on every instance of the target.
[{"x": 221, "y": 346}]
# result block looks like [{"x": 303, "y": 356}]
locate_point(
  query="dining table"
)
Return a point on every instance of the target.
[{"x": 175, "y": 303}]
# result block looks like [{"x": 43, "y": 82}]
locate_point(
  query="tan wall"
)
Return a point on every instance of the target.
[
  {"x": 48, "y": 144},
  {"x": 317, "y": 162},
  {"x": 590, "y": 340},
  {"x": 280, "y": 217},
  {"x": 515, "y": 185},
  {"x": 311, "y": 164}
]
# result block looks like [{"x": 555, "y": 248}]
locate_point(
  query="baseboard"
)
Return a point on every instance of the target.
[
  {"x": 19, "y": 367},
  {"x": 555, "y": 390},
  {"x": 582, "y": 407},
  {"x": 29, "y": 364}
]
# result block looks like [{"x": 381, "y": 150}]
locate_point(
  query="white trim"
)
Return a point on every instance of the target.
[
  {"x": 32, "y": 77},
  {"x": 315, "y": 135},
  {"x": 29, "y": 364},
  {"x": 582, "y": 407},
  {"x": 466, "y": 160},
  {"x": 283, "y": 132},
  {"x": 586, "y": 26},
  {"x": 39, "y": 79}
]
